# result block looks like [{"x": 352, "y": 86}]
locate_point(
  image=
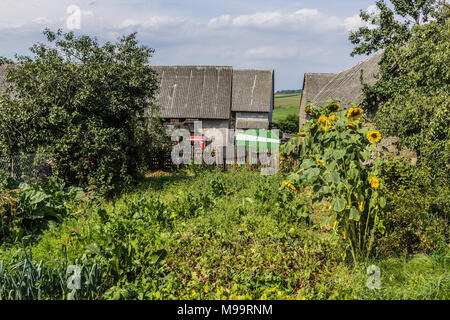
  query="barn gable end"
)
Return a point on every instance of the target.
[{"x": 312, "y": 84}]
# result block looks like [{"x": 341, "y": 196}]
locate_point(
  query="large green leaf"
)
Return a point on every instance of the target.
[
  {"x": 339, "y": 204},
  {"x": 354, "y": 214},
  {"x": 307, "y": 163},
  {"x": 382, "y": 202},
  {"x": 339, "y": 154},
  {"x": 353, "y": 173},
  {"x": 311, "y": 174},
  {"x": 333, "y": 177},
  {"x": 35, "y": 197}
]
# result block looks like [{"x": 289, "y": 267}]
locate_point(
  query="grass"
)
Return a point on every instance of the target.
[
  {"x": 286, "y": 105},
  {"x": 231, "y": 235}
]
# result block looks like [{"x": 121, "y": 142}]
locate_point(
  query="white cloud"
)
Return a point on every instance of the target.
[
  {"x": 353, "y": 23},
  {"x": 312, "y": 19},
  {"x": 221, "y": 21},
  {"x": 151, "y": 22},
  {"x": 259, "y": 19},
  {"x": 270, "y": 52}
]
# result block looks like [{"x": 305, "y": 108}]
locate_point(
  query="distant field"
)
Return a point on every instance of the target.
[{"x": 285, "y": 105}]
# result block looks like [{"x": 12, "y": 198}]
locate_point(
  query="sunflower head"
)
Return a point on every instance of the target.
[
  {"x": 351, "y": 125},
  {"x": 332, "y": 117},
  {"x": 323, "y": 123},
  {"x": 374, "y": 183},
  {"x": 289, "y": 185},
  {"x": 334, "y": 107},
  {"x": 374, "y": 136},
  {"x": 320, "y": 162},
  {"x": 308, "y": 110},
  {"x": 355, "y": 113}
]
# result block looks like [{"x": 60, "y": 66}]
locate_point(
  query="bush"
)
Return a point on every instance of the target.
[
  {"x": 288, "y": 125},
  {"x": 417, "y": 221},
  {"x": 89, "y": 106},
  {"x": 412, "y": 98}
]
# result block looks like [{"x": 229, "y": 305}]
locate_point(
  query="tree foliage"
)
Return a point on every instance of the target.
[
  {"x": 390, "y": 26},
  {"x": 413, "y": 98},
  {"x": 87, "y": 105}
]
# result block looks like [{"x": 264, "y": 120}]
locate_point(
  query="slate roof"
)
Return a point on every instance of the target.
[
  {"x": 252, "y": 91},
  {"x": 347, "y": 85},
  {"x": 202, "y": 92},
  {"x": 209, "y": 92},
  {"x": 313, "y": 83}
]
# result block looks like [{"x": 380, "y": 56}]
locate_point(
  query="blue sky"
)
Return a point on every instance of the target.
[{"x": 291, "y": 37}]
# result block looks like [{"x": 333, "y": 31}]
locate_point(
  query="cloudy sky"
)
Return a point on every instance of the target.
[{"x": 292, "y": 37}]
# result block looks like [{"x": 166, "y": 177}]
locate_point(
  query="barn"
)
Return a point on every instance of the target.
[
  {"x": 312, "y": 84},
  {"x": 218, "y": 96},
  {"x": 252, "y": 99},
  {"x": 345, "y": 85}
]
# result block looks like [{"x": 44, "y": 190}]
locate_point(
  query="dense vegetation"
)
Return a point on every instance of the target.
[
  {"x": 214, "y": 235},
  {"x": 84, "y": 105},
  {"x": 413, "y": 99},
  {"x": 308, "y": 232},
  {"x": 335, "y": 156}
]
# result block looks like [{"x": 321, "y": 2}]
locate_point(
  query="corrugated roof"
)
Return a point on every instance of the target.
[
  {"x": 314, "y": 82},
  {"x": 252, "y": 90},
  {"x": 202, "y": 92},
  {"x": 209, "y": 92},
  {"x": 347, "y": 85}
]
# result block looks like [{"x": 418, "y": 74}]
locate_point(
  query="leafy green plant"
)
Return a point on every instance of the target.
[
  {"x": 417, "y": 219},
  {"x": 21, "y": 278},
  {"x": 25, "y": 209},
  {"x": 336, "y": 162}
]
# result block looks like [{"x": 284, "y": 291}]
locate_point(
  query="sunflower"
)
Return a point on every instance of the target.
[
  {"x": 355, "y": 113},
  {"x": 351, "y": 125},
  {"x": 361, "y": 206},
  {"x": 320, "y": 162},
  {"x": 323, "y": 123},
  {"x": 374, "y": 136},
  {"x": 308, "y": 110},
  {"x": 289, "y": 185},
  {"x": 334, "y": 107},
  {"x": 374, "y": 183},
  {"x": 332, "y": 117}
]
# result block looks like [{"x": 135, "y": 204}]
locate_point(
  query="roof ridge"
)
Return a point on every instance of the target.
[{"x": 359, "y": 64}]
